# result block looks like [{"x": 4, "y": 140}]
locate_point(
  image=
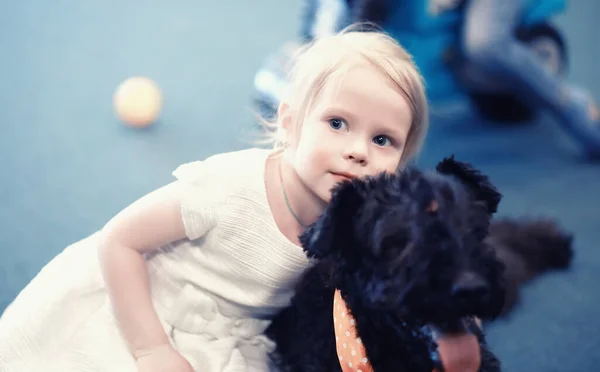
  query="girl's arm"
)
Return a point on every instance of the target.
[{"x": 147, "y": 224}]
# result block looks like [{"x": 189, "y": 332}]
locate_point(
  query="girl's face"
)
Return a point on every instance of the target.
[{"x": 357, "y": 127}]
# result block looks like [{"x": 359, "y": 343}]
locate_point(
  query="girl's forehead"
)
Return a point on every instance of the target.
[
  {"x": 365, "y": 91},
  {"x": 358, "y": 83}
]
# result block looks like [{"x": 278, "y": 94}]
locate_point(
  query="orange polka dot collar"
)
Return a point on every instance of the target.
[{"x": 350, "y": 350}]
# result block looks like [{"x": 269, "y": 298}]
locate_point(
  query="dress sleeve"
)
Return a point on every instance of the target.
[{"x": 200, "y": 198}]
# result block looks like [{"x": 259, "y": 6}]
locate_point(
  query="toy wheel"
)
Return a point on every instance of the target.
[{"x": 548, "y": 44}]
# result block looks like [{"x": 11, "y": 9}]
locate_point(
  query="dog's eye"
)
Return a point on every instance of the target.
[
  {"x": 432, "y": 207},
  {"x": 404, "y": 253},
  {"x": 395, "y": 255}
]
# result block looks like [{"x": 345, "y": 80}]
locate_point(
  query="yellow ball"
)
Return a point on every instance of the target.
[{"x": 138, "y": 101}]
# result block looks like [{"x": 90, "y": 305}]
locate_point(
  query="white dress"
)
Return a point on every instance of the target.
[{"x": 214, "y": 291}]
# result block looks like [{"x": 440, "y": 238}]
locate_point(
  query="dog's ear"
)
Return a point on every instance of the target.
[
  {"x": 330, "y": 232},
  {"x": 485, "y": 193}
]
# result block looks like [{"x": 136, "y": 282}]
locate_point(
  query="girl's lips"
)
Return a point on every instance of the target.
[{"x": 343, "y": 175}]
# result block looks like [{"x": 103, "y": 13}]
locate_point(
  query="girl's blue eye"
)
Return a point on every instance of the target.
[
  {"x": 336, "y": 124},
  {"x": 381, "y": 141}
]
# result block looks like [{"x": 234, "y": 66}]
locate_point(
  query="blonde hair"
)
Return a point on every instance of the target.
[{"x": 316, "y": 63}]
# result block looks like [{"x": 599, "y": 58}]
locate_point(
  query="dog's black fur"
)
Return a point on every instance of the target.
[
  {"x": 528, "y": 247},
  {"x": 408, "y": 251}
]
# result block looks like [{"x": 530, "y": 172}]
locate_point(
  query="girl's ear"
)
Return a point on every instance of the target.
[
  {"x": 285, "y": 121},
  {"x": 284, "y": 115}
]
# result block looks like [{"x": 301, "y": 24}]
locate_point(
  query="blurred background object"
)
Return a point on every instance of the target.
[
  {"x": 506, "y": 60},
  {"x": 68, "y": 164},
  {"x": 137, "y": 101}
]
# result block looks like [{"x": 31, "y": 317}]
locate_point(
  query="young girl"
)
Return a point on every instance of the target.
[{"x": 227, "y": 229}]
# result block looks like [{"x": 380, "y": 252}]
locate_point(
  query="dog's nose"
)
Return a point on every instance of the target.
[{"x": 469, "y": 285}]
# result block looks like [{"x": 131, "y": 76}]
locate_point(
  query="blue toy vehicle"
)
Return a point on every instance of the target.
[{"x": 434, "y": 42}]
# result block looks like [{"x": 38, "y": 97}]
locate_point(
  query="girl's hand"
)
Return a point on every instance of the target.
[
  {"x": 459, "y": 352},
  {"x": 163, "y": 358}
]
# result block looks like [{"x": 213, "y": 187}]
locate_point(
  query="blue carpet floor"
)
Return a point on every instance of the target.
[{"x": 68, "y": 166}]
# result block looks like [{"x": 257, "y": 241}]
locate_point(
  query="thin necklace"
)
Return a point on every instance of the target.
[{"x": 287, "y": 202}]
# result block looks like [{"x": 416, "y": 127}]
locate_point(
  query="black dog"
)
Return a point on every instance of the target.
[{"x": 408, "y": 253}]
